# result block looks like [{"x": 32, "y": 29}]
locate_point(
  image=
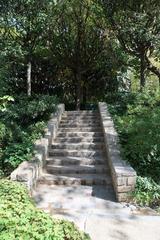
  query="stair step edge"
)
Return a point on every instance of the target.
[{"x": 76, "y": 179}]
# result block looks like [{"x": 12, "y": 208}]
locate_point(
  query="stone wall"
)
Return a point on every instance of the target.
[
  {"x": 29, "y": 172},
  {"x": 123, "y": 175}
]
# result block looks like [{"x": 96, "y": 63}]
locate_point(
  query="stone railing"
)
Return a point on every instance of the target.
[
  {"x": 123, "y": 175},
  {"x": 29, "y": 172}
]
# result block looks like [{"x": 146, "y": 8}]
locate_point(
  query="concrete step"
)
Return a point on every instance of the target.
[
  {"x": 83, "y": 121},
  {"x": 75, "y": 153},
  {"x": 78, "y": 125},
  {"x": 81, "y": 113},
  {"x": 75, "y": 179},
  {"x": 79, "y": 140},
  {"x": 80, "y": 129},
  {"x": 80, "y": 118},
  {"x": 77, "y": 169},
  {"x": 79, "y": 134},
  {"x": 78, "y": 146},
  {"x": 65, "y": 161}
]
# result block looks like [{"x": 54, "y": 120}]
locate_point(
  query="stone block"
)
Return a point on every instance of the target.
[
  {"x": 131, "y": 180},
  {"x": 124, "y": 188},
  {"x": 122, "y": 197},
  {"x": 29, "y": 172},
  {"x": 123, "y": 175},
  {"x": 121, "y": 181}
]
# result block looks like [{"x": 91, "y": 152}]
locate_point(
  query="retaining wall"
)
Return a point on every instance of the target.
[
  {"x": 29, "y": 171},
  {"x": 123, "y": 175}
]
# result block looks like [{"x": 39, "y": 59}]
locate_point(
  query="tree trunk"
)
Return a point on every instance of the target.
[
  {"x": 78, "y": 90},
  {"x": 29, "y": 68},
  {"x": 142, "y": 72},
  {"x": 84, "y": 95}
]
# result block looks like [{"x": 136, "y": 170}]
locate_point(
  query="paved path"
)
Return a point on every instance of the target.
[
  {"x": 76, "y": 184},
  {"x": 95, "y": 211}
]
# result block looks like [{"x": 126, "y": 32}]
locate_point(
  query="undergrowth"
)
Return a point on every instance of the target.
[{"x": 137, "y": 118}]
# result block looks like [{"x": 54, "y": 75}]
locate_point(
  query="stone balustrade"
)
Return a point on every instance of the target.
[
  {"x": 123, "y": 175},
  {"x": 29, "y": 171}
]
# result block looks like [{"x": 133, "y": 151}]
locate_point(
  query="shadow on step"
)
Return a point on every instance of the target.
[
  {"x": 105, "y": 193},
  {"x": 57, "y": 199}
]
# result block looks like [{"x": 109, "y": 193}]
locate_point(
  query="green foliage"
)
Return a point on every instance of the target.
[
  {"x": 75, "y": 39},
  {"x": 16, "y": 153},
  {"x": 97, "y": 43},
  {"x": 147, "y": 192},
  {"x": 13, "y": 191},
  {"x": 20, "y": 125},
  {"x": 27, "y": 110},
  {"x": 4, "y": 101},
  {"x": 137, "y": 120},
  {"x": 136, "y": 25},
  {"x": 21, "y": 220},
  {"x": 2, "y": 131}
]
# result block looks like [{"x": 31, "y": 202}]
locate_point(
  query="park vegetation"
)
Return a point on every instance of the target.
[
  {"x": 20, "y": 219},
  {"x": 79, "y": 53}
]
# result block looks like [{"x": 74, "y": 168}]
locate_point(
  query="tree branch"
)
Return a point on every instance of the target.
[{"x": 152, "y": 68}]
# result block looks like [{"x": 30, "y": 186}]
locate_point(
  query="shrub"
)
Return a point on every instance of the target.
[
  {"x": 21, "y": 124},
  {"x": 21, "y": 220},
  {"x": 137, "y": 122},
  {"x": 28, "y": 110},
  {"x": 4, "y": 102},
  {"x": 139, "y": 132},
  {"x": 2, "y": 132},
  {"x": 147, "y": 192}
]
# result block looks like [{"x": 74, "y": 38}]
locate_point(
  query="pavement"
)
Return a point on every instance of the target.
[{"x": 95, "y": 211}]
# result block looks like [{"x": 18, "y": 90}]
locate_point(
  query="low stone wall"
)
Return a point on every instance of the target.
[
  {"x": 29, "y": 172},
  {"x": 123, "y": 175}
]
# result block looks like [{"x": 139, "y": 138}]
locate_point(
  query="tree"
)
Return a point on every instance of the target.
[
  {"x": 137, "y": 27},
  {"x": 78, "y": 30},
  {"x": 59, "y": 47},
  {"x": 24, "y": 22}
]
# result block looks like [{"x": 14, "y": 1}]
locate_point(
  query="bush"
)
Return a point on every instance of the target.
[
  {"x": 147, "y": 192},
  {"x": 2, "y": 132},
  {"x": 21, "y": 124},
  {"x": 28, "y": 110},
  {"x": 137, "y": 122},
  {"x": 21, "y": 220},
  {"x": 4, "y": 102}
]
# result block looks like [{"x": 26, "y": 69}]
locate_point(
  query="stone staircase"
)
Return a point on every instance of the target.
[
  {"x": 77, "y": 155},
  {"x": 76, "y": 164}
]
